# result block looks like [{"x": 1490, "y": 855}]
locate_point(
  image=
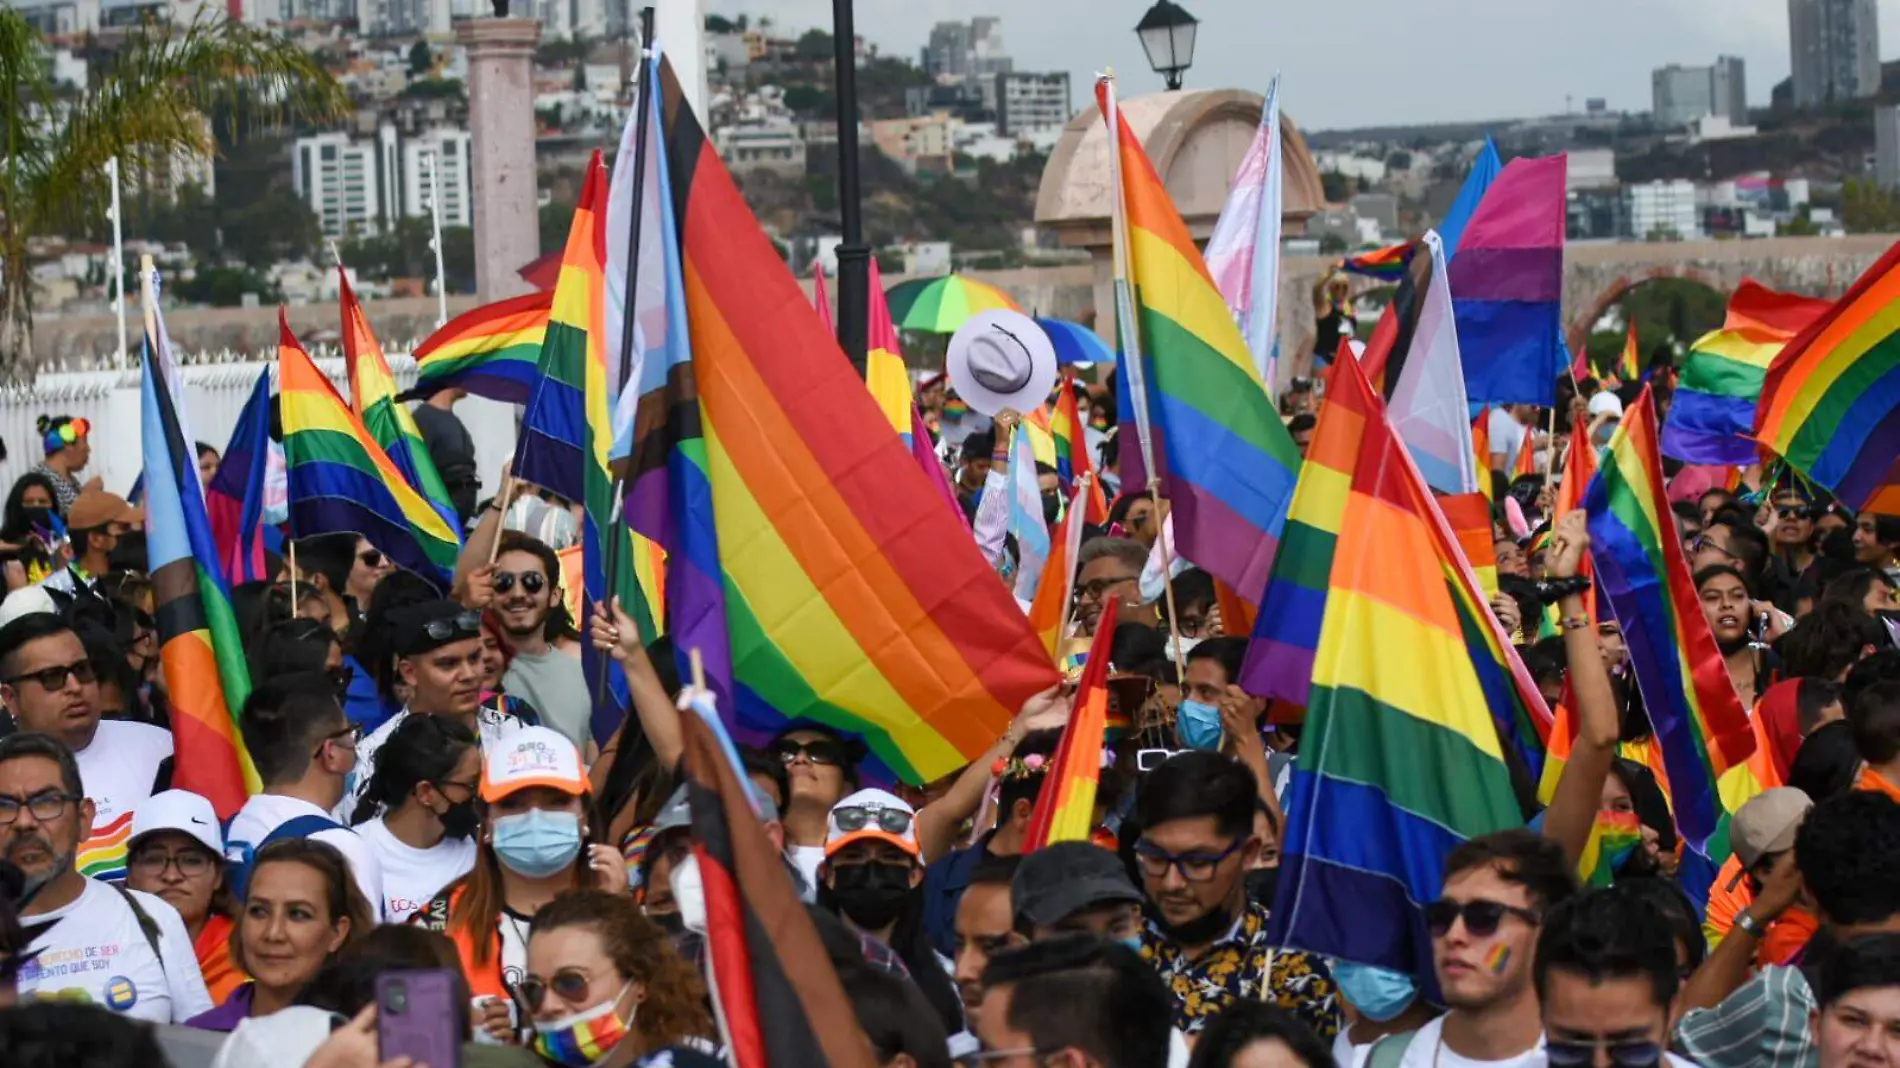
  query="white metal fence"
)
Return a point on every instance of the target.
[{"x": 215, "y": 393}]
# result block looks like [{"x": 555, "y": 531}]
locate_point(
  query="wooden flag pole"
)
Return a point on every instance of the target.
[
  {"x": 504, "y": 498},
  {"x": 292, "y": 555}
]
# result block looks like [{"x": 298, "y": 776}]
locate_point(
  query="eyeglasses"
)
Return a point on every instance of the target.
[
  {"x": 569, "y": 984},
  {"x": 825, "y": 753},
  {"x": 45, "y": 807},
  {"x": 54, "y": 678},
  {"x": 442, "y": 784},
  {"x": 1704, "y": 543},
  {"x": 460, "y": 623},
  {"x": 532, "y": 581},
  {"x": 1155, "y": 861},
  {"x": 1094, "y": 591},
  {"x": 370, "y": 558},
  {"x": 1622, "y": 1054},
  {"x": 1481, "y": 916},
  {"x": 152, "y": 863},
  {"x": 858, "y": 817},
  {"x": 354, "y": 732}
]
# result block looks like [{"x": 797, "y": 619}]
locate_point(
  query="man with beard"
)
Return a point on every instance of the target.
[
  {"x": 438, "y": 650},
  {"x": 90, "y": 941},
  {"x": 1109, "y": 569},
  {"x": 49, "y": 685},
  {"x": 1497, "y": 890},
  {"x": 527, "y": 593},
  {"x": 1204, "y": 936}
]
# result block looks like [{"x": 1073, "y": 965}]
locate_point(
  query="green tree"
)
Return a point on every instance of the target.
[
  {"x": 810, "y": 100},
  {"x": 226, "y": 287},
  {"x": 152, "y": 100},
  {"x": 1868, "y": 209},
  {"x": 1399, "y": 161},
  {"x": 720, "y": 24},
  {"x": 1336, "y": 187},
  {"x": 814, "y": 47},
  {"x": 419, "y": 58}
]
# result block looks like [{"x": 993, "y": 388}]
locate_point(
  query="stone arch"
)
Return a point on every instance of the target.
[{"x": 1577, "y": 329}]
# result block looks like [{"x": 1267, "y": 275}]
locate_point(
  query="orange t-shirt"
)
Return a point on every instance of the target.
[
  {"x": 1874, "y": 782},
  {"x": 213, "y": 949},
  {"x": 1784, "y": 937}
]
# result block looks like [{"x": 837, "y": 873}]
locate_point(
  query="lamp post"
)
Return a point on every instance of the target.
[
  {"x": 1167, "y": 35},
  {"x": 854, "y": 256}
]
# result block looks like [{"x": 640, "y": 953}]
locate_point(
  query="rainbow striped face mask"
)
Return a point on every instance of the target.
[{"x": 584, "y": 1038}]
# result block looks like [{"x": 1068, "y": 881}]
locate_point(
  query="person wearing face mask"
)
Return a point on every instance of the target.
[
  {"x": 1216, "y": 715},
  {"x": 532, "y": 846},
  {"x": 871, "y": 877},
  {"x": 604, "y": 988},
  {"x": 304, "y": 750},
  {"x": 425, "y": 786},
  {"x": 1384, "y": 1002},
  {"x": 1208, "y": 941}
]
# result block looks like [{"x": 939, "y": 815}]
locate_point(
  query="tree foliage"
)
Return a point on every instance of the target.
[{"x": 150, "y": 100}]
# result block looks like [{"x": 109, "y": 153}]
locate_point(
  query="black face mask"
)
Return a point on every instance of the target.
[
  {"x": 1262, "y": 884},
  {"x": 870, "y": 895},
  {"x": 461, "y": 820},
  {"x": 1051, "y": 508},
  {"x": 670, "y": 922},
  {"x": 1199, "y": 931}
]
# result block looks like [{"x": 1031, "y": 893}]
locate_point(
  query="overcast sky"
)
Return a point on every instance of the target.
[{"x": 1370, "y": 62}]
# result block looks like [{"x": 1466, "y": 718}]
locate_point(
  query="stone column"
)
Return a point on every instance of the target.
[{"x": 501, "y": 122}]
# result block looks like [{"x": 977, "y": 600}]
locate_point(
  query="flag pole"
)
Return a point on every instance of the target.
[{"x": 636, "y": 212}]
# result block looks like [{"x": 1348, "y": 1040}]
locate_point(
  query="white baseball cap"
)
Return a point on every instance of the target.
[
  {"x": 178, "y": 810},
  {"x": 532, "y": 756},
  {"x": 26, "y": 601},
  {"x": 872, "y": 814},
  {"x": 1606, "y": 403}
]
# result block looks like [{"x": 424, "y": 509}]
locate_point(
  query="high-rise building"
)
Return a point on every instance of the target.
[
  {"x": 1728, "y": 89},
  {"x": 364, "y": 185},
  {"x": 447, "y": 151},
  {"x": 1663, "y": 210},
  {"x": 1031, "y": 101},
  {"x": 1680, "y": 95},
  {"x": 1887, "y": 147},
  {"x": 1835, "y": 47},
  {"x": 404, "y": 18},
  {"x": 959, "y": 50},
  {"x": 337, "y": 177}
]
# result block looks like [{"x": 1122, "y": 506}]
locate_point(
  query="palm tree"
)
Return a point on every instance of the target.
[{"x": 147, "y": 105}]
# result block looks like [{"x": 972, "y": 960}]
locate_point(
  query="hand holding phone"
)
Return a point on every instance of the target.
[{"x": 416, "y": 1017}]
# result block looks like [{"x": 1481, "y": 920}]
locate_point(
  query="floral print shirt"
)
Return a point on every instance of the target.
[{"x": 1244, "y": 965}]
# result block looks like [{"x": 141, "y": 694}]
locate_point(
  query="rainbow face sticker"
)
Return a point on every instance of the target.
[{"x": 1498, "y": 959}]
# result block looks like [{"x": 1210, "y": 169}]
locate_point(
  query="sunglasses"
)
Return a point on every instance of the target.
[
  {"x": 532, "y": 581},
  {"x": 569, "y": 984},
  {"x": 828, "y": 754},
  {"x": 460, "y": 623},
  {"x": 353, "y": 732},
  {"x": 1622, "y": 1054},
  {"x": 54, "y": 678},
  {"x": 1795, "y": 512},
  {"x": 370, "y": 558},
  {"x": 857, "y": 817},
  {"x": 1481, "y": 916}
]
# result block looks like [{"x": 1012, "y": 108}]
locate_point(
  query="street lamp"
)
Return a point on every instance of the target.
[{"x": 1167, "y": 35}]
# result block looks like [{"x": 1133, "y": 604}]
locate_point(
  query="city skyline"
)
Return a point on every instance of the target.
[{"x": 1492, "y": 59}]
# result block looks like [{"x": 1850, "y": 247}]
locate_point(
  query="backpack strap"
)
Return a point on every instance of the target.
[
  {"x": 147, "y": 926},
  {"x": 1389, "y": 1052},
  {"x": 300, "y": 827}
]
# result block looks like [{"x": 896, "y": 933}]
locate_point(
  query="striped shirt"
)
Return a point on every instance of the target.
[{"x": 1763, "y": 1024}]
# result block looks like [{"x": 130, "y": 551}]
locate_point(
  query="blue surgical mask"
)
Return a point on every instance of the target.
[
  {"x": 1378, "y": 993},
  {"x": 1132, "y": 942},
  {"x": 537, "y": 843},
  {"x": 1198, "y": 725}
]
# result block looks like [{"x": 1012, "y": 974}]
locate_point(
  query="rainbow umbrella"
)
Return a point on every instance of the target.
[
  {"x": 1075, "y": 343},
  {"x": 940, "y": 305}
]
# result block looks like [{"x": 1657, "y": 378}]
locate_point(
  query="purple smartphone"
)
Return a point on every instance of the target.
[{"x": 416, "y": 1014}]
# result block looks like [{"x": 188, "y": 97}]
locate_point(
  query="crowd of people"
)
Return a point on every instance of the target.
[{"x": 431, "y": 797}]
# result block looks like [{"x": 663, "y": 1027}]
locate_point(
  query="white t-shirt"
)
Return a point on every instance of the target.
[
  {"x": 1427, "y": 1049},
  {"x": 807, "y": 859},
  {"x": 411, "y": 876},
  {"x": 117, "y": 772},
  {"x": 95, "y": 951},
  {"x": 1507, "y": 436},
  {"x": 264, "y": 813},
  {"x": 491, "y": 725}
]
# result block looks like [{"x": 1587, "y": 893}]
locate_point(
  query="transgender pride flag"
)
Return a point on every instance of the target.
[{"x": 1243, "y": 256}]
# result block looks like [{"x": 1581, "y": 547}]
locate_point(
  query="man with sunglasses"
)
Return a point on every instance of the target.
[
  {"x": 49, "y": 685},
  {"x": 439, "y": 658},
  {"x": 304, "y": 749},
  {"x": 125, "y": 951},
  {"x": 1606, "y": 977},
  {"x": 1791, "y": 527},
  {"x": 346, "y": 568},
  {"x": 527, "y": 591},
  {"x": 1497, "y": 890},
  {"x": 1204, "y": 935}
]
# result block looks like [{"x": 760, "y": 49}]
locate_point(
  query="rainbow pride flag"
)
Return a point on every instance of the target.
[
  {"x": 567, "y": 432},
  {"x": 102, "y": 855},
  {"x": 1712, "y": 417},
  {"x": 342, "y": 481},
  {"x": 1385, "y": 264},
  {"x": 1481, "y": 450},
  {"x": 199, "y": 647},
  {"x": 1630, "y": 369},
  {"x": 1403, "y": 757},
  {"x": 1644, "y": 573},
  {"x": 1830, "y": 404},
  {"x": 1056, "y": 592},
  {"x": 1526, "y": 463},
  {"x": 489, "y": 351},
  {"x": 1613, "y": 837},
  {"x": 817, "y": 573},
  {"x": 1072, "y": 451},
  {"x": 1065, "y": 808},
  {"x": 1228, "y": 463},
  {"x": 884, "y": 372},
  {"x": 373, "y": 398}
]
